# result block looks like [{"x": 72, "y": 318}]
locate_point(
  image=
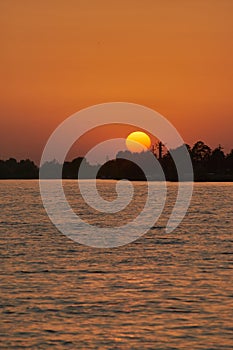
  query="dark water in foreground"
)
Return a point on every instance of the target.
[{"x": 164, "y": 291}]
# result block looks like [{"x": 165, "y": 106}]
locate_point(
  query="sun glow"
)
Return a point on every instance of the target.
[{"x": 138, "y": 141}]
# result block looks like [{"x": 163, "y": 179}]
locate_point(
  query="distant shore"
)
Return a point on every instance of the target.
[
  {"x": 208, "y": 166},
  {"x": 134, "y": 180}
]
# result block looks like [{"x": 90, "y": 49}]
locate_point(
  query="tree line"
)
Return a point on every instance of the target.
[{"x": 208, "y": 165}]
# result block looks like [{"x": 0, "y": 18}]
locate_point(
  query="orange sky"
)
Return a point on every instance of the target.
[{"x": 57, "y": 56}]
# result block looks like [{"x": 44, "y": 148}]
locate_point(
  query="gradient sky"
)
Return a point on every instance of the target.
[{"x": 57, "y": 56}]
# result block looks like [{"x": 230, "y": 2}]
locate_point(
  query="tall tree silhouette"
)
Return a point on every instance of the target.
[
  {"x": 200, "y": 152},
  {"x": 217, "y": 160}
]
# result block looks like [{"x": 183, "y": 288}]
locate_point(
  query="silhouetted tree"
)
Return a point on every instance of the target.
[
  {"x": 11, "y": 169},
  {"x": 71, "y": 170},
  {"x": 50, "y": 170},
  {"x": 27, "y": 169},
  {"x": 121, "y": 169},
  {"x": 12, "y": 165},
  {"x": 169, "y": 167},
  {"x": 4, "y": 170},
  {"x": 200, "y": 152},
  {"x": 229, "y": 162},
  {"x": 200, "y": 155},
  {"x": 217, "y": 160}
]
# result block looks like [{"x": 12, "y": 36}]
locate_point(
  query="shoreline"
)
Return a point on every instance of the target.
[{"x": 133, "y": 180}]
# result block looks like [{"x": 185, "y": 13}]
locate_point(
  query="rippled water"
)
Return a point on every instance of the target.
[{"x": 163, "y": 291}]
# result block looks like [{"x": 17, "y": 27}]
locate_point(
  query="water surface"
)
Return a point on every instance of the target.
[{"x": 163, "y": 291}]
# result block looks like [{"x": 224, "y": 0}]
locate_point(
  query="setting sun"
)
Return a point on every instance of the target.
[{"x": 138, "y": 141}]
